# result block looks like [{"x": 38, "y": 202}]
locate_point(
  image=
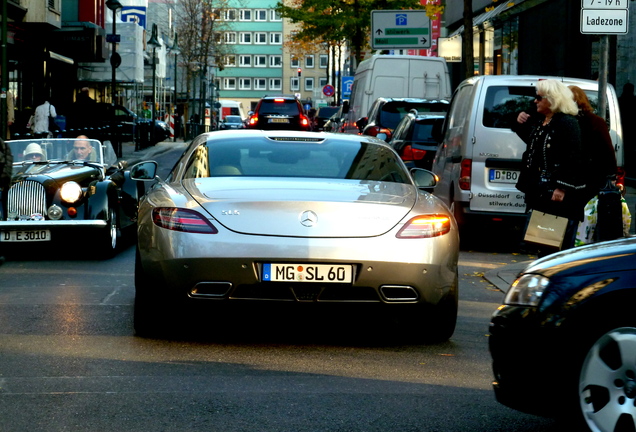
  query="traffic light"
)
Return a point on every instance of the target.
[{"x": 300, "y": 72}]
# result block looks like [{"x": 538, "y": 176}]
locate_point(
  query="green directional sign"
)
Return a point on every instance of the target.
[{"x": 400, "y": 29}]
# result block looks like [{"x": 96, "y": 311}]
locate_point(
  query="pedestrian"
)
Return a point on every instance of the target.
[
  {"x": 627, "y": 105},
  {"x": 552, "y": 174},
  {"x": 42, "y": 118},
  {"x": 10, "y": 112},
  {"x": 6, "y": 169},
  {"x": 83, "y": 111}
]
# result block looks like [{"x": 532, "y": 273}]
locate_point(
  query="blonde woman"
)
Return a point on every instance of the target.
[{"x": 552, "y": 174}]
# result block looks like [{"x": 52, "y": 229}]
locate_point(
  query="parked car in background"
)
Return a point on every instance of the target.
[
  {"x": 335, "y": 122},
  {"x": 416, "y": 138},
  {"x": 564, "y": 341},
  {"x": 232, "y": 122},
  {"x": 68, "y": 191},
  {"x": 323, "y": 114},
  {"x": 125, "y": 119},
  {"x": 295, "y": 218},
  {"x": 386, "y": 113},
  {"x": 279, "y": 113}
]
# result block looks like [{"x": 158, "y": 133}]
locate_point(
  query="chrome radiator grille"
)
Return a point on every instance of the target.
[{"x": 25, "y": 199}]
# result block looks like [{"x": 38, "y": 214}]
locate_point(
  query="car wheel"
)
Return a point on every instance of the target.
[
  {"x": 607, "y": 382},
  {"x": 149, "y": 304},
  {"x": 110, "y": 235}
]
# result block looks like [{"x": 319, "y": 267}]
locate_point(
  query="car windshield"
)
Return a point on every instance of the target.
[
  {"x": 288, "y": 157},
  {"x": 393, "y": 112},
  {"x": 56, "y": 150},
  {"x": 279, "y": 106}
]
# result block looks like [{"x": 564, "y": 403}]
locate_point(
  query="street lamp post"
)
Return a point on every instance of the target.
[
  {"x": 176, "y": 51},
  {"x": 115, "y": 61},
  {"x": 154, "y": 43}
]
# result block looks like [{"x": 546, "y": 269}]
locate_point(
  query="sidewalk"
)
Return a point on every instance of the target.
[{"x": 504, "y": 276}]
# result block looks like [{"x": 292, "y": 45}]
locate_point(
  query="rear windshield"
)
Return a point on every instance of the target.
[
  {"x": 393, "y": 112},
  {"x": 282, "y": 106},
  {"x": 263, "y": 157},
  {"x": 503, "y": 103}
]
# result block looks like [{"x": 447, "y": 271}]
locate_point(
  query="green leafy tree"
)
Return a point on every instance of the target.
[{"x": 334, "y": 21}]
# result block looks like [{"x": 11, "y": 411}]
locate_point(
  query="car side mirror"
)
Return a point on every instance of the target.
[
  {"x": 144, "y": 171},
  {"x": 424, "y": 179}
]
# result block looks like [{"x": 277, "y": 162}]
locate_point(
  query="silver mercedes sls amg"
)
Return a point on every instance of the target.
[{"x": 295, "y": 217}]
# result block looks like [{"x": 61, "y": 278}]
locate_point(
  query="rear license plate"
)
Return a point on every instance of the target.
[
  {"x": 279, "y": 120},
  {"x": 25, "y": 236},
  {"x": 503, "y": 176},
  {"x": 321, "y": 273}
]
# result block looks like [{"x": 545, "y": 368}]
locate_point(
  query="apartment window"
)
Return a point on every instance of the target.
[
  {"x": 323, "y": 82},
  {"x": 230, "y": 37},
  {"x": 275, "y": 38},
  {"x": 260, "y": 15},
  {"x": 245, "y": 38},
  {"x": 245, "y": 60},
  {"x": 245, "y": 83},
  {"x": 260, "y": 38},
  {"x": 229, "y": 83},
  {"x": 245, "y": 15},
  {"x": 324, "y": 61},
  {"x": 260, "y": 60},
  {"x": 260, "y": 84},
  {"x": 274, "y": 15},
  {"x": 309, "y": 61},
  {"x": 294, "y": 62},
  {"x": 229, "y": 15},
  {"x": 230, "y": 60},
  {"x": 275, "y": 61},
  {"x": 309, "y": 84},
  {"x": 295, "y": 84},
  {"x": 275, "y": 84}
]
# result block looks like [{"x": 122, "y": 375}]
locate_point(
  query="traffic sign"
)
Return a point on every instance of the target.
[
  {"x": 604, "y": 4},
  {"x": 604, "y": 21},
  {"x": 328, "y": 90},
  {"x": 400, "y": 29}
]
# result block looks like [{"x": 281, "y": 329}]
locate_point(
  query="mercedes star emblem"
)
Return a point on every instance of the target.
[{"x": 308, "y": 218}]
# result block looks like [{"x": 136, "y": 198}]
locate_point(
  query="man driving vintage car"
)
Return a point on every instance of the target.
[
  {"x": 33, "y": 152},
  {"x": 82, "y": 150}
]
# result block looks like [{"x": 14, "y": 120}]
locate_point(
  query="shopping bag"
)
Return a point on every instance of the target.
[{"x": 546, "y": 229}]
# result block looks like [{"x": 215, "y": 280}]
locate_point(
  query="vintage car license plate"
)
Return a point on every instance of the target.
[
  {"x": 25, "y": 236},
  {"x": 503, "y": 176},
  {"x": 279, "y": 120},
  {"x": 321, "y": 273}
]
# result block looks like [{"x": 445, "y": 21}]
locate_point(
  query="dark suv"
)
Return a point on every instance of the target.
[
  {"x": 416, "y": 138},
  {"x": 385, "y": 113},
  {"x": 279, "y": 112}
]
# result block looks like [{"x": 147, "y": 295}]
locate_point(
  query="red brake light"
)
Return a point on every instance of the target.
[
  {"x": 411, "y": 154},
  {"x": 304, "y": 121},
  {"x": 253, "y": 120},
  {"x": 279, "y": 100},
  {"x": 184, "y": 220},
  {"x": 425, "y": 226},
  {"x": 465, "y": 174}
]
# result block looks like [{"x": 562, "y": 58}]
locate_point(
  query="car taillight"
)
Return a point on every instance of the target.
[
  {"x": 304, "y": 120},
  {"x": 425, "y": 226},
  {"x": 412, "y": 154},
  {"x": 184, "y": 220},
  {"x": 465, "y": 174},
  {"x": 253, "y": 120}
]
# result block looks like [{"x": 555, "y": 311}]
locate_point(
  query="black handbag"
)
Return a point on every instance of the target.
[{"x": 609, "y": 222}]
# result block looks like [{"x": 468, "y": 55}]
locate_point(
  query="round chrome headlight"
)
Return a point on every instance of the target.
[
  {"x": 70, "y": 192},
  {"x": 55, "y": 212}
]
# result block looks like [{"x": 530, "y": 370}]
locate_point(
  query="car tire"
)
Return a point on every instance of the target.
[
  {"x": 110, "y": 236},
  {"x": 149, "y": 306},
  {"x": 607, "y": 380},
  {"x": 442, "y": 319}
]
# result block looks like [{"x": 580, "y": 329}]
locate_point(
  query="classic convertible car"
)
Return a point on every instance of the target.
[{"x": 68, "y": 190}]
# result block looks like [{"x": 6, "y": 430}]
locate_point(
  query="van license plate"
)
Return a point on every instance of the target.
[
  {"x": 503, "y": 176},
  {"x": 25, "y": 236},
  {"x": 320, "y": 273}
]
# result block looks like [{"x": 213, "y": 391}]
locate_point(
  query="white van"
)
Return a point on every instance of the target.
[
  {"x": 395, "y": 76},
  {"x": 479, "y": 159}
]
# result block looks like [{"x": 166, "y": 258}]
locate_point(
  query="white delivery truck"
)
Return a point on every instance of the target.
[
  {"x": 395, "y": 76},
  {"x": 479, "y": 158}
]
